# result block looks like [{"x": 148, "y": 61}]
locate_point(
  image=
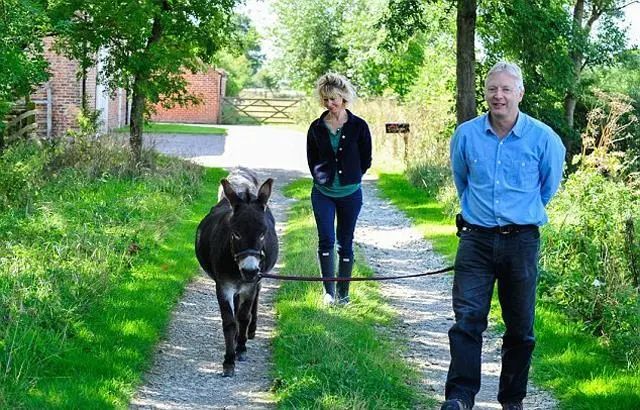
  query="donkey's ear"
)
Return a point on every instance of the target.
[
  {"x": 265, "y": 192},
  {"x": 229, "y": 192}
]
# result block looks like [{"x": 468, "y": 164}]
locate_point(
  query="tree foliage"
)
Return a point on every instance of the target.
[
  {"x": 366, "y": 40},
  {"x": 242, "y": 57},
  {"x": 306, "y": 34},
  {"x": 143, "y": 46},
  {"x": 23, "y": 23},
  {"x": 561, "y": 42}
]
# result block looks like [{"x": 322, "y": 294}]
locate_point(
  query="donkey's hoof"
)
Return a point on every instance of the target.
[
  {"x": 241, "y": 356},
  {"x": 228, "y": 371}
]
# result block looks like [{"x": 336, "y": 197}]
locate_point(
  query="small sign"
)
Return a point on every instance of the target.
[{"x": 396, "y": 127}]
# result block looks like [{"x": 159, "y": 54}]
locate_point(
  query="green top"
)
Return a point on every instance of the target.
[{"x": 336, "y": 190}]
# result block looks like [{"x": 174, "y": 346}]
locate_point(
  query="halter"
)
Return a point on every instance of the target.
[{"x": 248, "y": 252}]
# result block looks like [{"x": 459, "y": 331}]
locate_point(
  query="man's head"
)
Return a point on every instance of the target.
[{"x": 503, "y": 90}]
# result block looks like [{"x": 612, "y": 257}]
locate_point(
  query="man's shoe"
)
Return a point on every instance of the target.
[
  {"x": 454, "y": 404},
  {"x": 512, "y": 406}
]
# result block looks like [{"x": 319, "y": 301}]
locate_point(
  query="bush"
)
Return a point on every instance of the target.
[
  {"x": 21, "y": 172},
  {"x": 591, "y": 251},
  {"x": 74, "y": 215},
  {"x": 590, "y": 258}
]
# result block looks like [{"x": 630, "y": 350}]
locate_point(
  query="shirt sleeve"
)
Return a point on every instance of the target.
[
  {"x": 551, "y": 167},
  {"x": 458, "y": 164}
]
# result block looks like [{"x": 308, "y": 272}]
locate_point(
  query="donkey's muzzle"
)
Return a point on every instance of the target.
[{"x": 249, "y": 262}]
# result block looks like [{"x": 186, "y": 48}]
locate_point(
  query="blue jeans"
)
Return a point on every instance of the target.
[
  {"x": 483, "y": 258},
  {"x": 339, "y": 212}
]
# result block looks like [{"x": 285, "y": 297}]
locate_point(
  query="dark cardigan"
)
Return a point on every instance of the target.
[{"x": 351, "y": 161}]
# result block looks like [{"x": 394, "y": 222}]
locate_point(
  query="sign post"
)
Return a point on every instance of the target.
[{"x": 400, "y": 128}]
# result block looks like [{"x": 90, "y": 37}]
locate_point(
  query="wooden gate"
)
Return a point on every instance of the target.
[
  {"x": 259, "y": 110},
  {"x": 19, "y": 123}
]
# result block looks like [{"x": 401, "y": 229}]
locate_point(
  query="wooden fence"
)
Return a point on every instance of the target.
[
  {"x": 259, "y": 110},
  {"x": 19, "y": 123}
]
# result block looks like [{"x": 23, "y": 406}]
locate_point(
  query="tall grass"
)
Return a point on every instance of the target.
[
  {"x": 92, "y": 256},
  {"x": 334, "y": 357}
]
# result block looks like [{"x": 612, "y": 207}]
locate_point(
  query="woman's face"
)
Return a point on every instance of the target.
[{"x": 334, "y": 103}]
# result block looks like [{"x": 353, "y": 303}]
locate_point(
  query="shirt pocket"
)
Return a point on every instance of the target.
[
  {"x": 523, "y": 174},
  {"x": 479, "y": 169}
]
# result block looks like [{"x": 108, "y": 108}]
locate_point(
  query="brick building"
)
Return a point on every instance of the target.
[
  {"x": 209, "y": 87},
  {"x": 58, "y": 101}
]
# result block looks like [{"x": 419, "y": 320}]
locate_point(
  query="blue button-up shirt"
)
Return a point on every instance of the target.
[{"x": 509, "y": 180}]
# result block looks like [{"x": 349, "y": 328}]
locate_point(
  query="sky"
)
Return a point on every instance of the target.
[
  {"x": 263, "y": 17},
  {"x": 632, "y": 14}
]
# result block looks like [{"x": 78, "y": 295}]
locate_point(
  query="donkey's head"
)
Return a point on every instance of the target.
[{"x": 248, "y": 227}]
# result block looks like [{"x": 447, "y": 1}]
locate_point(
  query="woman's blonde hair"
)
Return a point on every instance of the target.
[{"x": 332, "y": 85}]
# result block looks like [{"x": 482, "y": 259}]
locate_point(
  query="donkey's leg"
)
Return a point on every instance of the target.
[
  {"x": 230, "y": 329},
  {"x": 254, "y": 314},
  {"x": 244, "y": 319}
]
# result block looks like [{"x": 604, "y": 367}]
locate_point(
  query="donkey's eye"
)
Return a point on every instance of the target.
[
  {"x": 262, "y": 238},
  {"x": 235, "y": 236}
]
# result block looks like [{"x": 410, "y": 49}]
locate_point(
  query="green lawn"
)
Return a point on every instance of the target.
[
  {"x": 167, "y": 128},
  {"x": 92, "y": 269},
  {"x": 335, "y": 357},
  {"x": 425, "y": 212},
  {"x": 574, "y": 366}
]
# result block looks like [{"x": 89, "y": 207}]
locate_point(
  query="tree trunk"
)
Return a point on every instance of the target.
[
  {"x": 139, "y": 99},
  {"x": 465, "y": 61},
  {"x": 577, "y": 57},
  {"x": 137, "y": 123}
]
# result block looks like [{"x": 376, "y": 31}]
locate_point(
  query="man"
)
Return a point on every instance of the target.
[{"x": 506, "y": 167}]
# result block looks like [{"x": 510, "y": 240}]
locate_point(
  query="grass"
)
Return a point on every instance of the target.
[
  {"x": 170, "y": 128},
  {"x": 91, "y": 269},
  {"x": 424, "y": 211},
  {"x": 574, "y": 366},
  {"x": 334, "y": 357}
]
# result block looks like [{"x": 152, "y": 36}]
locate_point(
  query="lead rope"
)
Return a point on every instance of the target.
[{"x": 372, "y": 278}]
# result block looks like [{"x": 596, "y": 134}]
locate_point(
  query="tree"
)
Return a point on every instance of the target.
[
  {"x": 408, "y": 17},
  {"x": 357, "y": 38},
  {"x": 560, "y": 44},
  {"x": 465, "y": 60},
  {"x": 306, "y": 34},
  {"x": 143, "y": 46},
  {"x": 587, "y": 50},
  {"x": 242, "y": 57},
  {"x": 23, "y": 23}
]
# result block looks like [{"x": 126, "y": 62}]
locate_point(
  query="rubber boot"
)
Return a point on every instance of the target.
[
  {"x": 327, "y": 268},
  {"x": 345, "y": 267}
]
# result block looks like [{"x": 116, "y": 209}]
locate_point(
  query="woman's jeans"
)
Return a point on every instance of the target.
[
  {"x": 327, "y": 211},
  {"x": 482, "y": 258}
]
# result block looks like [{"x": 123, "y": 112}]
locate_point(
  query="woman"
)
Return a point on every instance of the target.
[{"x": 338, "y": 153}]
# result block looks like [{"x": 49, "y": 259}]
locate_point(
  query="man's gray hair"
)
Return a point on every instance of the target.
[{"x": 507, "y": 67}]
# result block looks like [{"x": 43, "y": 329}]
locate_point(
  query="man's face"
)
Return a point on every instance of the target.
[{"x": 502, "y": 95}]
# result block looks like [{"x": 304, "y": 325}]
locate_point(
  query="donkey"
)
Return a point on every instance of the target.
[{"x": 235, "y": 242}]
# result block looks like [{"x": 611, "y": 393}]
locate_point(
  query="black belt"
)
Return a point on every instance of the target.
[{"x": 503, "y": 230}]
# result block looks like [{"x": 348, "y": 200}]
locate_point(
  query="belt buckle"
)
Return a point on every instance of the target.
[{"x": 505, "y": 230}]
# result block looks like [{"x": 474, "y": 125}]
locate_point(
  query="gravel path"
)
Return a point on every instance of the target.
[{"x": 188, "y": 362}]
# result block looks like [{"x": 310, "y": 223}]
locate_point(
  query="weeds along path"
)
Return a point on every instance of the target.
[{"x": 392, "y": 247}]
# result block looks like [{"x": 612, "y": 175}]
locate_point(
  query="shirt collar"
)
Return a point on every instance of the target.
[{"x": 517, "y": 129}]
